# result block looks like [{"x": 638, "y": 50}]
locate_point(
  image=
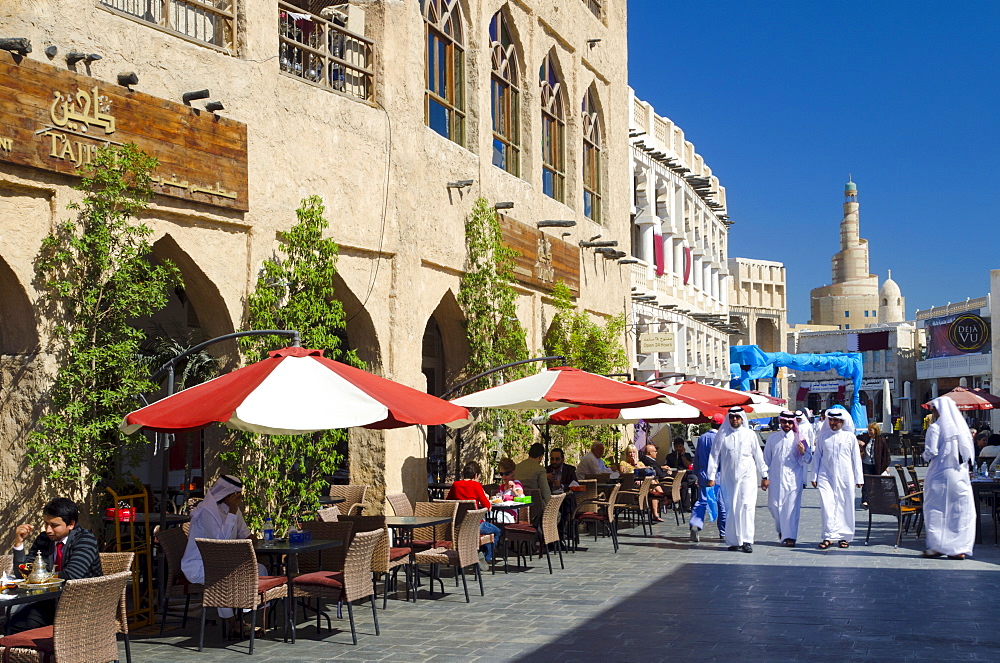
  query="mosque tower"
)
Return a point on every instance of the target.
[{"x": 851, "y": 300}]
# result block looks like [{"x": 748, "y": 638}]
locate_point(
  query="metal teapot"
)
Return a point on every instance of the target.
[{"x": 39, "y": 571}]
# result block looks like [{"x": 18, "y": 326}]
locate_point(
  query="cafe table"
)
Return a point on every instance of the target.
[
  {"x": 21, "y": 596},
  {"x": 292, "y": 552},
  {"x": 403, "y": 526},
  {"x": 327, "y": 500}
]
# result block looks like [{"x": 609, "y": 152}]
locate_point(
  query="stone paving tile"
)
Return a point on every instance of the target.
[{"x": 664, "y": 598}]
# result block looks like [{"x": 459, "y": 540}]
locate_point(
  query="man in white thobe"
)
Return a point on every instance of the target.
[
  {"x": 807, "y": 431},
  {"x": 737, "y": 458},
  {"x": 217, "y": 517},
  {"x": 837, "y": 464},
  {"x": 786, "y": 454},
  {"x": 949, "y": 508}
]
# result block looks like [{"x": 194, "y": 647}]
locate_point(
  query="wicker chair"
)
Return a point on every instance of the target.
[
  {"x": 6, "y": 563},
  {"x": 676, "y": 495},
  {"x": 544, "y": 533},
  {"x": 386, "y": 560},
  {"x": 354, "y": 498},
  {"x": 85, "y": 627},
  {"x": 427, "y": 537},
  {"x": 884, "y": 499},
  {"x": 231, "y": 581},
  {"x": 330, "y": 514},
  {"x": 604, "y": 516},
  {"x": 639, "y": 506},
  {"x": 331, "y": 559},
  {"x": 589, "y": 495},
  {"x": 400, "y": 504},
  {"x": 173, "y": 541},
  {"x": 464, "y": 555},
  {"x": 351, "y": 584},
  {"x": 119, "y": 562}
]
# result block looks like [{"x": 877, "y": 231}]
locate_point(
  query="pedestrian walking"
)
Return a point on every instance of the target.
[
  {"x": 787, "y": 454},
  {"x": 837, "y": 463},
  {"x": 710, "y": 501},
  {"x": 737, "y": 458},
  {"x": 949, "y": 509}
]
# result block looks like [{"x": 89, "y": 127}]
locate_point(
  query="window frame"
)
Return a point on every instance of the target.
[
  {"x": 505, "y": 97},
  {"x": 445, "y": 85},
  {"x": 553, "y": 132},
  {"x": 592, "y": 162}
]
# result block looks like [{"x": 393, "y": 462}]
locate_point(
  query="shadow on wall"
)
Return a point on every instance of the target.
[
  {"x": 746, "y": 612},
  {"x": 23, "y": 381},
  {"x": 414, "y": 478}
]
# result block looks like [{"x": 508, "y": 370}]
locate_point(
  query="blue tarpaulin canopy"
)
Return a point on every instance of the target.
[{"x": 749, "y": 362}]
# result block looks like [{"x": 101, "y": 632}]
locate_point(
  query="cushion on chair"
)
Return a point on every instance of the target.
[
  {"x": 265, "y": 583},
  {"x": 40, "y": 639},
  {"x": 322, "y": 578},
  {"x": 427, "y": 543},
  {"x": 520, "y": 527},
  {"x": 398, "y": 553},
  {"x": 591, "y": 516}
]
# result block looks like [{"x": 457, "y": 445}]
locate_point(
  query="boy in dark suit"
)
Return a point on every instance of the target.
[{"x": 67, "y": 549}]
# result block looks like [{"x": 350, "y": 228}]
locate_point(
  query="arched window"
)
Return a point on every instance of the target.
[
  {"x": 505, "y": 98},
  {"x": 444, "y": 102},
  {"x": 553, "y": 131},
  {"x": 591, "y": 158}
]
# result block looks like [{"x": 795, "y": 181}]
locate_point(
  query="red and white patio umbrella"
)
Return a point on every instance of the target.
[
  {"x": 558, "y": 387},
  {"x": 292, "y": 392},
  {"x": 589, "y": 415},
  {"x": 971, "y": 399},
  {"x": 717, "y": 396}
]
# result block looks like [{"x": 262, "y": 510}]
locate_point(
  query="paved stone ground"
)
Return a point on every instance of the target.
[{"x": 663, "y": 598}]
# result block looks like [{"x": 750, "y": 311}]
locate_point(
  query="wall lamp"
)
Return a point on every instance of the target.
[
  {"x": 549, "y": 223},
  {"x": 504, "y": 206},
  {"x": 188, "y": 97},
  {"x": 76, "y": 56},
  {"x": 214, "y": 106},
  {"x": 17, "y": 45},
  {"x": 593, "y": 42},
  {"x": 127, "y": 78},
  {"x": 460, "y": 184},
  {"x": 603, "y": 243}
]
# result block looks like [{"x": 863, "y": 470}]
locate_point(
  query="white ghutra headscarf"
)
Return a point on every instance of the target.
[
  {"x": 951, "y": 424},
  {"x": 837, "y": 412}
]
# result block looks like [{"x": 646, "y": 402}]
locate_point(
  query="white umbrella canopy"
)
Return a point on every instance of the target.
[
  {"x": 592, "y": 416},
  {"x": 558, "y": 387}
]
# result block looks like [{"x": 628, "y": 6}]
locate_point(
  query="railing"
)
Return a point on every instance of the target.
[
  {"x": 324, "y": 53},
  {"x": 207, "y": 21}
]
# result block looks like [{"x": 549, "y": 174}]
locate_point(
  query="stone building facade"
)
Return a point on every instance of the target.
[
  {"x": 758, "y": 308},
  {"x": 677, "y": 255},
  {"x": 398, "y": 114}
]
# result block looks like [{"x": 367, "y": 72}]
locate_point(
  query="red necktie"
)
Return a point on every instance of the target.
[{"x": 59, "y": 549}]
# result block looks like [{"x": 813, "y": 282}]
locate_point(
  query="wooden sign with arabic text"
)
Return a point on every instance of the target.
[
  {"x": 55, "y": 119},
  {"x": 543, "y": 259}
]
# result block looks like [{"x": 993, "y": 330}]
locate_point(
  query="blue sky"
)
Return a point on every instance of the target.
[{"x": 784, "y": 99}]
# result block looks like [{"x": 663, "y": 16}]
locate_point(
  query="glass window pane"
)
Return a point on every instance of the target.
[
  {"x": 499, "y": 150},
  {"x": 438, "y": 119},
  {"x": 548, "y": 186}
]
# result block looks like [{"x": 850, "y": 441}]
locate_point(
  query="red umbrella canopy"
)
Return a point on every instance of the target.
[
  {"x": 717, "y": 396},
  {"x": 971, "y": 399},
  {"x": 561, "y": 386},
  {"x": 296, "y": 391}
]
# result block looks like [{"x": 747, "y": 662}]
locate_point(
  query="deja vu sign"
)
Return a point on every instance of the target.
[
  {"x": 952, "y": 335},
  {"x": 56, "y": 120}
]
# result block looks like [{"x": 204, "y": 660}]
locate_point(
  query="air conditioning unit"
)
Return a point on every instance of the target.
[{"x": 346, "y": 16}]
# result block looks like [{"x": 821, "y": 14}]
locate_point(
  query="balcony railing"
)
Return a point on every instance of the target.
[
  {"x": 324, "y": 53},
  {"x": 207, "y": 21}
]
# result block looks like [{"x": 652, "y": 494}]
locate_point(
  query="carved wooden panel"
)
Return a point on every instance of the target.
[
  {"x": 543, "y": 258},
  {"x": 55, "y": 119}
]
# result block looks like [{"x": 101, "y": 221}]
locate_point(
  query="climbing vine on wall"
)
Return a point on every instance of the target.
[
  {"x": 593, "y": 347},
  {"x": 495, "y": 336},
  {"x": 96, "y": 280}
]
